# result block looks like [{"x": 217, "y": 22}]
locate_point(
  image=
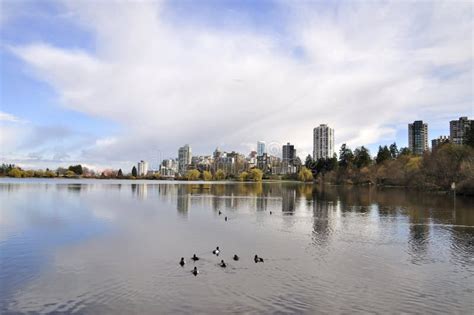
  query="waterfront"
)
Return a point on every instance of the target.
[{"x": 91, "y": 246}]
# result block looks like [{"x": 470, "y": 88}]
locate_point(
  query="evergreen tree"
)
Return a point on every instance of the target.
[
  {"x": 77, "y": 169},
  {"x": 469, "y": 137},
  {"x": 404, "y": 151},
  {"x": 308, "y": 161},
  {"x": 346, "y": 157},
  {"x": 383, "y": 154},
  {"x": 134, "y": 172},
  {"x": 394, "y": 150},
  {"x": 362, "y": 157}
]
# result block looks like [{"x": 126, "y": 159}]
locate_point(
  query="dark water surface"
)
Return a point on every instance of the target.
[{"x": 113, "y": 247}]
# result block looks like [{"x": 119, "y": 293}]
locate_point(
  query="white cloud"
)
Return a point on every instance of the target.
[
  {"x": 6, "y": 117},
  {"x": 365, "y": 70}
]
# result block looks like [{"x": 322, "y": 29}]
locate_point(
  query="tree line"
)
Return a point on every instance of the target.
[{"x": 434, "y": 170}]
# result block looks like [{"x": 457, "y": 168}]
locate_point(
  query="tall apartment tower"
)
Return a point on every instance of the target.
[
  {"x": 142, "y": 168},
  {"x": 418, "y": 137},
  {"x": 323, "y": 142},
  {"x": 289, "y": 153},
  {"x": 261, "y": 149},
  {"x": 184, "y": 158},
  {"x": 458, "y": 129}
]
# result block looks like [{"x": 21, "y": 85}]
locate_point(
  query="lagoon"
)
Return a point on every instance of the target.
[{"x": 113, "y": 247}]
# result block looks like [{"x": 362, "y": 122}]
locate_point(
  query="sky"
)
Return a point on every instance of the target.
[{"x": 108, "y": 83}]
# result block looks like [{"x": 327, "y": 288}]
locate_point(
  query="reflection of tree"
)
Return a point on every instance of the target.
[
  {"x": 183, "y": 200},
  {"x": 75, "y": 188},
  {"x": 419, "y": 235}
]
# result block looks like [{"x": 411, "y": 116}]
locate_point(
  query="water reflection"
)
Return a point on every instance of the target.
[{"x": 118, "y": 243}]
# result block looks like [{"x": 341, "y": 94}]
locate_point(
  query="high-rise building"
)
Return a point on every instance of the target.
[
  {"x": 184, "y": 158},
  {"x": 323, "y": 142},
  {"x": 142, "y": 168},
  {"x": 438, "y": 141},
  {"x": 458, "y": 129},
  {"x": 288, "y": 159},
  {"x": 418, "y": 137},
  {"x": 261, "y": 149},
  {"x": 288, "y": 153}
]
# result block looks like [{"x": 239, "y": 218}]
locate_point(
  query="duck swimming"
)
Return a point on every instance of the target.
[
  {"x": 223, "y": 264},
  {"x": 257, "y": 259},
  {"x": 226, "y": 218},
  {"x": 236, "y": 257},
  {"x": 216, "y": 251},
  {"x": 195, "y": 271},
  {"x": 220, "y": 212},
  {"x": 182, "y": 262},
  {"x": 195, "y": 258},
  {"x": 271, "y": 212}
]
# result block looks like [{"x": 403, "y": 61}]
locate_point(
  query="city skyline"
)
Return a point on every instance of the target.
[{"x": 209, "y": 74}]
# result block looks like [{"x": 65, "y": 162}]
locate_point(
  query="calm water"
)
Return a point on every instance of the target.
[{"x": 113, "y": 247}]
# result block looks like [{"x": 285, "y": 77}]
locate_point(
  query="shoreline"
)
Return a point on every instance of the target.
[{"x": 232, "y": 181}]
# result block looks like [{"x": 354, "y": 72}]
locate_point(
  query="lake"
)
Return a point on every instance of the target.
[{"x": 105, "y": 246}]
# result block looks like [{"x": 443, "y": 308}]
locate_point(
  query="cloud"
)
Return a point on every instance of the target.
[
  {"x": 6, "y": 117},
  {"x": 363, "y": 68}
]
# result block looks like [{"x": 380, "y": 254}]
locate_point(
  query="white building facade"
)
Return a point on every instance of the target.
[
  {"x": 323, "y": 142},
  {"x": 142, "y": 168},
  {"x": 184, "y": 158}
]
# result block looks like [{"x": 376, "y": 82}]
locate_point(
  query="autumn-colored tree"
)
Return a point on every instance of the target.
[
  {"x": 305, "y": 175},
  {"x": 255, "y": 175},
  {"x": 193, "y": 175},
  {"x": 219, "y": 175},
  {"x": 206, "y": 175}
]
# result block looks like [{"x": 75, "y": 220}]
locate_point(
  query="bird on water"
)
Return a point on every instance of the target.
[
  {"x": 195, "y": 258},
  {"x": 226, "y": 218},
  {"x": 257, "y": 259},
  {"x": 182, "y": 262},
  {"x": 195, "y": 271},
  {"x": 236, "y": 257},
  {"x": 216, "y": 251},
  {"x": 223, "y": 264}
]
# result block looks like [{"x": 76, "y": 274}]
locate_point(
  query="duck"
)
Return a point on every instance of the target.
[
  {"x": 216, "y": 251},
  {"x": 223, "y": 264},
  {"x": 236, "y": 257},
  {"x": 195, "y": 271},
  {"x": 257, "y": 259},
  {"x": 220, "y": 212},
  {"x": 225, "y": 218},
  {"x": 271, "y": 213},
  {"x": 182, "y": 262},
  {"x": 195, "y": 258}
]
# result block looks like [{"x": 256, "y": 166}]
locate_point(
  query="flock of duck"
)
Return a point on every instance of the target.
[{"x": 216, "y": 252}]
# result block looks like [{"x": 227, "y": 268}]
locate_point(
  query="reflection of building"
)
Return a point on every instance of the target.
[
  {"x": 418, "y": 137},
  {"x": 142, "y": 191},
  {"x": 458, "y": 129},
  {"x": 261, "y": 148},
  {"x": 438, "y": 141},
  {"x": 288, "y": 200},
  {"x": 183, "y": 199},
  {"x": 323, "y": 142},
  {"x": 184, "y": 158},
  {"x": 142, "y": 168}
]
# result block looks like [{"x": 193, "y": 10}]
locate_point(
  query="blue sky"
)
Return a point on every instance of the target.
[{"x": 108, "y": 83}]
